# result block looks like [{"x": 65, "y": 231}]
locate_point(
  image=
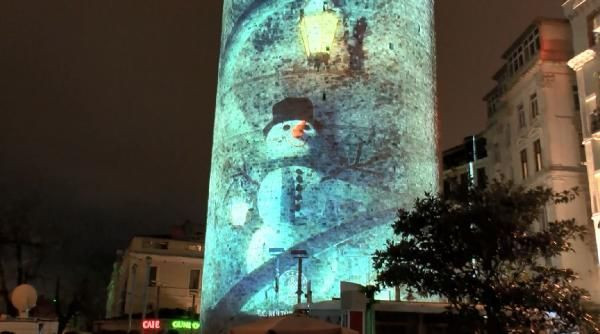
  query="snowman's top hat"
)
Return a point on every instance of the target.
[{"x": 292, "y": 108}]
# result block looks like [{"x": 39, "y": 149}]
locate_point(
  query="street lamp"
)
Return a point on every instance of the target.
[
  {"x": 318, "y": 25},
  {"x": 299, "y": 254}
]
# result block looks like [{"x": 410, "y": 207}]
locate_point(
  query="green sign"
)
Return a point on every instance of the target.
[{"x": 185, "y": 324}]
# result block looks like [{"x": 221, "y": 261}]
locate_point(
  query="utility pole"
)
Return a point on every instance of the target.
[
  {"x": 147, "y": 282},
  {"x": 131, "y": 294},
  {"x": 157, "y": 309}
]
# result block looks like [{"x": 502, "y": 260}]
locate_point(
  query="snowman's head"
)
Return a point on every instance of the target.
[
  {"x": 291, "y": 132},
  {"x": 293, "y": 138}
]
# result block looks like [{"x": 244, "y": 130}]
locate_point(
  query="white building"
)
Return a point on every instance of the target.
[
  {"x": 584, "y": 17},
  {"x": 534, "y": 133},
  {"x": 166, "y": 273}
]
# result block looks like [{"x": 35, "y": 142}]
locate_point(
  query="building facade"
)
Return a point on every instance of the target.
[
  {"x": 584, "y": 17},
  {"x": 164, "y": 273},
  {"x": 324, "y": 126},
  {"x": 534, "y": 133}
]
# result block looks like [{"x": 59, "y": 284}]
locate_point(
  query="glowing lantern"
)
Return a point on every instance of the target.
[{"x": 318, "y": 33}]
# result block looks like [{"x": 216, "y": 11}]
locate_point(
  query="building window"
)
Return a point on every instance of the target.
[
  {"x": 524, "y": 52},
  {"x": 195, "y": 248},
  {"x": 543, "y": 219},
  {"x": 537, "y": 151},
  {"x": 595, "y": 121},
  {"x": 446, "y": 186},
  {"x": 593, "y": 28},
  {"x": 194, "y": 279},
  {"x": 521, "y": 115},
  {"x": 524, "y": 171},
  {"x": 481, "y": 178},
  {"x": 533, "y": 43},
  {"x": 533, "y": 104},
  {"x": 576, "y": 98},
  {"x": 155, "y": 244},
  {"x": 153, "y": 275},
  {"x": 497, "y": 154}
]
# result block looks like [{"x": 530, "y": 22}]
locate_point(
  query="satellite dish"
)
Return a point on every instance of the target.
[{"x": 24, "y": 298}]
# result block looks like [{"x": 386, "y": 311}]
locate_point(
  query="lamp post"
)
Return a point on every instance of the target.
[
  {"x": 275, "y": 252},
  {"x": 318, "y": 25},
  {"x": 299, "y": 254}
]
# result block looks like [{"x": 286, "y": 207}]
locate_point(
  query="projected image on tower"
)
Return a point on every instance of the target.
[{"x": 324, "y": 127}]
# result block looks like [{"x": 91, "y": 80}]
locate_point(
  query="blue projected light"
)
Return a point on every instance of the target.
[{"x": 324, "y": 127}]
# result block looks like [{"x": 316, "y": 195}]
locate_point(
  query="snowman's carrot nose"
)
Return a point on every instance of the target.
[{"x": 298, "y": 129}]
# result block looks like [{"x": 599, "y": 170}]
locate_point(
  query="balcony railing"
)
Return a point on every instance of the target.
[{"x": 577, "y": 3}]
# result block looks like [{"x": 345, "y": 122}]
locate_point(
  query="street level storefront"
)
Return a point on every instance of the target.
[{"x": 148, "y": 326}]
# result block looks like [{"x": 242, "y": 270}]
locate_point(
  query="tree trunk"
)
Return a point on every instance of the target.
[{"x": 492, "y": 325}]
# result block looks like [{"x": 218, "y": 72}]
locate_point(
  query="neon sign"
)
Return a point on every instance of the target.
[
  {"x": 185, "y": 324},
  {"x": 151, "y": 324}
]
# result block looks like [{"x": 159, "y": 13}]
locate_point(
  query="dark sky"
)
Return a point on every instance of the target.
[{"x": 106, "y": 106}]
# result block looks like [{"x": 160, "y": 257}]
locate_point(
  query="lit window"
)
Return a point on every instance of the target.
[
  {"x": 594, "y": 29},
  {"x": 533, "y": 104},
  {"x": 521, "y": 114},
  {"x": 195, "y": 248},
  {"x": 524, "y": 169},
  {"x": 537, "y": 149}
]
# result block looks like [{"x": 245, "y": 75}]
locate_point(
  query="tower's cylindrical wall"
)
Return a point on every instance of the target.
[{"x": 313, "y": 153}]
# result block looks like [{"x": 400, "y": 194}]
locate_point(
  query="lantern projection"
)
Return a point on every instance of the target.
[
  {"x": 318, "y": 32},
  {"x": 324, "y": 127}
]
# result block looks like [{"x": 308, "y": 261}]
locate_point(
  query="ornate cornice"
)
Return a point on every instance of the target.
[
  {"x": 574, "y": 8},
  {"x": 577, "y": 62}
]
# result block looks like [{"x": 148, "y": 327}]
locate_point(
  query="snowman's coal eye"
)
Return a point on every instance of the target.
[
  {"x": 286, "y": 127},
  {"x": 307, "y": 127}
]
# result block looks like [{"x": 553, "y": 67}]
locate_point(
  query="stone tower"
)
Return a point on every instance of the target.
[{"x": 324, "y": 127}]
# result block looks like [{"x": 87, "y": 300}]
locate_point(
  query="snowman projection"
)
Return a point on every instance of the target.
[
  {"x": 297, "y": 200},
  {"x": 289, "y": 194}
]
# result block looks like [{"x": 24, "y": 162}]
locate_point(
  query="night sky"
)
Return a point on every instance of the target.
[{"x": 106, "y": 107}]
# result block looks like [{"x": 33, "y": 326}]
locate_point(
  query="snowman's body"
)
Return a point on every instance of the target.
[
  {"x": 282, "y": 201},
  {"x": 294, "y": 204}
]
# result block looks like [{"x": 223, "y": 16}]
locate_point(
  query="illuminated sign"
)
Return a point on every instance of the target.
[
  {"x": 185, "y": 324},
  {"x": 151, "y": 324}
]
